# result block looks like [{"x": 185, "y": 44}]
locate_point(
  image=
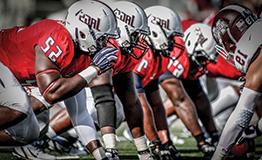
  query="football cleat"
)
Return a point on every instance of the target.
[
  {"x": 31, "y": 152},
  {"x": 207, "y": 149},
  {"x": 112, "y": 154},
  {"x": 154, "y": 148},
  {"x": 169, "y": 152},
  {"x": 145, "y": 155}
]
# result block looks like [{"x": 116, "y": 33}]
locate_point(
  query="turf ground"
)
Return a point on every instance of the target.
[{"x": 127, "y": 150}]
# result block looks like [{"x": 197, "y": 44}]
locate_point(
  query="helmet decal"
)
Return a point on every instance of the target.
[
  {"x": 164, "y": 23},
  {"x": 122, "y": 16},
  {"x": 88, "y": 20}
]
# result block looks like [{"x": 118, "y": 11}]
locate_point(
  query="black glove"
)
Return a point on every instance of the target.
[{"x": 105, "y": 59}]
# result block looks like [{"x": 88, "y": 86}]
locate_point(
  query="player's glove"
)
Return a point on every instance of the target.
[{"x": 104, "y": 59}]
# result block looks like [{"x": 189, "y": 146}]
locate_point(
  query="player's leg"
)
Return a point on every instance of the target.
[
  {"x": 155, "y": 101},
  {"x": 14, "y": 102},
  {"x": 185, "y": 108},
  {"x": 102, "y": 92},
  {"x": 15, "y": 108},
  {"x": 125, "y": 89},
  {"x": 84, "y": 125},
  {"x": 224, "y": 105},
  {"x": 203, "y": 106}
]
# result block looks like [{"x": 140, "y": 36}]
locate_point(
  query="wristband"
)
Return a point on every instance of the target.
[{"x": 89, "y": 73}]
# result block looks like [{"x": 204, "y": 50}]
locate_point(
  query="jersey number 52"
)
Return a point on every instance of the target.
[{"x": 52, "y": 55}]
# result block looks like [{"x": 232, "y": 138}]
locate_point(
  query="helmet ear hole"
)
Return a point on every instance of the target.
[
  {"x": 188, "y": 43},
  {"x": 154, "y": 34},
  {"x": 82, "y": 35}
]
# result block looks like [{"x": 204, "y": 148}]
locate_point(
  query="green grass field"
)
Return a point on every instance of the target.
[{"x": 127, "y": 150}]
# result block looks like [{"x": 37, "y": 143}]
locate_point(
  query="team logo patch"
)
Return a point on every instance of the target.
[{"x": 219, "y": 29}]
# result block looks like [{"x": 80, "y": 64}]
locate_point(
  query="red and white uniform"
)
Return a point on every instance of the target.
[
  {"x": 220, "y": 69},
  {"x": 179, "y": 65},
  {"x": 18, "y": 54},
  {"x": 17, "y": 61},
  {"x": 124, "y": 63},
  {"x": 151, "y": 67}
]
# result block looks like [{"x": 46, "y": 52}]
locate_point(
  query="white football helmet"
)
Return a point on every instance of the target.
[
  {"x": 200, "y": 44},
  {"x": 132, "y": 22},
  {"x": 89, "y": 23},
  {"x": 237, "y": 32},
  {"x": 164, "y": 23}
]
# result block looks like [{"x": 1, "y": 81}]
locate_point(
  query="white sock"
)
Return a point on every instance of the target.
[
  {"x": 50, "y": 133},
  {"x": 140, "y": 143},
  {"x": 99, "y": 153},
  {"x": 72, "y": 132},
  {"x": 109, "y": 140}
]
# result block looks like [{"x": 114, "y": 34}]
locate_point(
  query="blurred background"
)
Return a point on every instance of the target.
[{"x": 25, "y": 12}]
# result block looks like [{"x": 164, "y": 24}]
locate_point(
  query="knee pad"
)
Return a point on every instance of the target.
[
  {"x": 26, "y": 131},
  {"x": 105, "y": 105}
]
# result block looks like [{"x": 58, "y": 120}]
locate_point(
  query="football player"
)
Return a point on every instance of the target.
[
  {"x": 162, "y": 41},
  {"x": 237, "y": 32},
  {"x": 200, "y": 58},
  {"x": 132, "y": 23},
  {"x": 57, "y": 57},
  {"x": 163, "y": 23},
  {"x": 133, "y": 26}
]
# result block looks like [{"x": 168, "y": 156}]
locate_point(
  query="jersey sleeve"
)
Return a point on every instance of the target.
[
  {"x": 223, "y": 69},
  {"x": 179, "y": 63},
  {"x": 58, "y": 47}
]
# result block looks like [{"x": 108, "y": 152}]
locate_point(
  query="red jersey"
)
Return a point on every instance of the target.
[
  {"x": 151, "y": 66},
  {"x": 223, "y": 69},
  {"x": 17, "y": 49},
  {"x": 179, "y": 64},
  {"x": 125, "y": 63},
  {"x": 187, "y": 71}
]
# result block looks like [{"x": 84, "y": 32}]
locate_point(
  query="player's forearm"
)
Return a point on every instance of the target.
[
  {"x": 63, "y": 88},
  {"x": 237, "y": 122}
]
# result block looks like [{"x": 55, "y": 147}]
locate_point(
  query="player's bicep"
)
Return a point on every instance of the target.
[
  {"x": 254, "y": 74},
  {"x": 46, "y": 71}
]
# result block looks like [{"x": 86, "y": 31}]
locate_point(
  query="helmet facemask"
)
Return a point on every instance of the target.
[
  {"x": 226, "y": 44},
  {"x": 135, "y": 40},
  {"x": 159, "y": 40}
]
